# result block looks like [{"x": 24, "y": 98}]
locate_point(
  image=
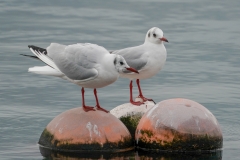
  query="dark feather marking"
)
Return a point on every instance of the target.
[
  {"x": 42, "y": 50},
  {"x": 115, "y": 61},
  {"x": 35, "y": 57},
  {"x": 38, "y": 49}
]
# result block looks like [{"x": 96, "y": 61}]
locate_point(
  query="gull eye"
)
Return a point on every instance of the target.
[
  {"x": 121, "y": 63},
  {"x": 154, "y": 35}
]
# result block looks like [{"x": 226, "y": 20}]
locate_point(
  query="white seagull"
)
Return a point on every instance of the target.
[
  {"x": 148, "y": 58},
  {"x": 87, "y": 65}
]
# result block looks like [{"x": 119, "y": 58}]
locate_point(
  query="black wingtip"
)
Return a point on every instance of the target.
[
  {"x": 42, "y": 50},
  {"x": 30, "y": 56},
  {"x": 29, "y": 46},
  {"x": 33, "y": 47}
]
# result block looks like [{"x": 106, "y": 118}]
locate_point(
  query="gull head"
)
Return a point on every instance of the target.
[
  {"x": 155, "y": 35},
  {"x": 122, "y": 66}
]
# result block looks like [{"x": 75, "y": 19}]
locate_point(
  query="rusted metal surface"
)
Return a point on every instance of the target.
[
  {"x": 178, "y": 124},
  {"x": 77, "y": 130}
]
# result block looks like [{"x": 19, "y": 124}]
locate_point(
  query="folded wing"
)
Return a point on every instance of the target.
[
  {"x": 78, "y": 61},
  {"x": 134, "y": 56}
]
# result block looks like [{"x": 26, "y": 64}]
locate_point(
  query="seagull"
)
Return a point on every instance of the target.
[
  {"x": 148, "y": 58},
  {"x": 87, "y": 65}
]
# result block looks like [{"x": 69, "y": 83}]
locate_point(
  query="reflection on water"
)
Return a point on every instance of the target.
[
  {"x": 50, "y": 154},
  {"x": 180, "y": 156},
  {"x": 137, "y": 155}
]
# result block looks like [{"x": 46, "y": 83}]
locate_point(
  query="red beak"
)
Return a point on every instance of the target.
[
  {"x": 132, "y": 70},
  {"x": 164, "y": 39}
]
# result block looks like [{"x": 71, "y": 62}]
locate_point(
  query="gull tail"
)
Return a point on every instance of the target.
[
  {"x": 50, "y": 70},
  {"x": 41, "y": 54},
  {"x": 45, "y": 70}
]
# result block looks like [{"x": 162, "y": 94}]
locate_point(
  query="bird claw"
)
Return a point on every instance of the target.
[
  {"x": 145, "y": 99},
  {"x": 102, "y": 109},
  {"x": 88, "y": 108}
]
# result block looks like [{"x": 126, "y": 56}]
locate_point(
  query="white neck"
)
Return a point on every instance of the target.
[
  {"x": 108, "y": 61},
  {"x": 151, "y": 43}
]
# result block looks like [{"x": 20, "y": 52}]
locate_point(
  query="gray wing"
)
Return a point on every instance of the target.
[
  {"x": 77, "y": 61},
  {"x": 135, "y": 57}
]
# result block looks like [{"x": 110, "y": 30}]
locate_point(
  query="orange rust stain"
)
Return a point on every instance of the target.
[
  {"x": 159, "y": 136},
  {"x": 148, "y": 133},
  {"x": 145, "y": 124},
  {"x": 192, "y": 123},
  {"x": 76, "y": 126},
  {"x": 107, "y": 129}
]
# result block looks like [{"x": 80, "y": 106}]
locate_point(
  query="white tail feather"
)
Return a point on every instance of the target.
[
  {"x": 46, "y": 70},
  {"x": 45, "y": 59}
]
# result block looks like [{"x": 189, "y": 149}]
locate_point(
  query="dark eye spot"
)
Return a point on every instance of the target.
[
  {"x": 121, "y": 63},
  {"x": 154, "y": 35},
  {"x": 115, "y": 61},
  {"x": 149, "y": 34}
]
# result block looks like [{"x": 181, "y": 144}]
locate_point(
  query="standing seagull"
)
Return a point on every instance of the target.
[
  {"x": 87, "y": 65},
  {"x": 148, "y": 58}
]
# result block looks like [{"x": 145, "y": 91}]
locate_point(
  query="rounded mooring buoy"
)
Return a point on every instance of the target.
[
  {"x": 130, "y": 114},
  {"x": 76, "y": 130},
  {"x": 178, "y": 125}
]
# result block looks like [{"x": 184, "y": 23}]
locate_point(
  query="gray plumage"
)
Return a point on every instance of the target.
[
  {"x": 77, "y": 61},
  {"x": 137, "y": 61}
]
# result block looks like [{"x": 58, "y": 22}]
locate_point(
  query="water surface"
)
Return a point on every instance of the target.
[{"x": 202, "y": 64}]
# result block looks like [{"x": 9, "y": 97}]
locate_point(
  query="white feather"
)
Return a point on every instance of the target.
[
  {"x": 45, "y": 59},
  {"x": 46, "y": 70}
]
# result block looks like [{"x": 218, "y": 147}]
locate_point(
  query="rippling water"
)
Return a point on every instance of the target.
[{"x": 202, "y": 64}]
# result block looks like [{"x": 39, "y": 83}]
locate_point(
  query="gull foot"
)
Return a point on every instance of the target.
[
  {"x": 146, "y": 99},
  {"x": 88, "y": 108},
  {"x": 102, "y": 109}
]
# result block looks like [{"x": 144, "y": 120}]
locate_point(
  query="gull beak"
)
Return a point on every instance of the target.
[
  {"x": 132, "y": 70},
  {"x": 164, "y": 39}
]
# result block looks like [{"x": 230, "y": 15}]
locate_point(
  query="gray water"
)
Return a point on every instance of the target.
[{"x": 202, "y": 64}]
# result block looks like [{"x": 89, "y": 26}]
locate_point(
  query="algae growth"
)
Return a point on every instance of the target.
[
  {"x": 47, "y": 140},
  {"x": 131, "y": 121},
  {"x": 173, "y": 140}
]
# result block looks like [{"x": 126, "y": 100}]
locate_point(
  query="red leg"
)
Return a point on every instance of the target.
[
  {"x": 98, "y": 105},
  {"x": 86, "y": 108},
  {"x": 140, "y": 92},
  {"x": 131, "y": 97}
]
